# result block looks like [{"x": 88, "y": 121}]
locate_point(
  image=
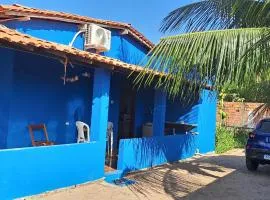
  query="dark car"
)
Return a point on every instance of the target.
[{"x": 258, "y": 146}]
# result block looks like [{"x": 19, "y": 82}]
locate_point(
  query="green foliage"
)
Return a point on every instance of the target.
[
  {"x": 202, "y": 57},
  {"x": 226, "y": 42},
  {"x": 224, "y": 140},
  {"x": 231, "y": 93},
  {"x": 229, "y": 138},
  {"x": 256, "y": 92},
  {"x": 240, "y": 138},
  {"x": 252, "y": 92},
  {"x": 217, "y": 14},
  {"x": 223, "y": 114}
]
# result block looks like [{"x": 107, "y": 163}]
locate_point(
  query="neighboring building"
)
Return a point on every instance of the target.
[{"x": 34, "y": 55}]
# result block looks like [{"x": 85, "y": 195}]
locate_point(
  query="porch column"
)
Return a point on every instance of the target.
[
  {"x": 7, "y": 65},
  {"x": 100, "y": 104},
  {"x": 159, "y": 112}
]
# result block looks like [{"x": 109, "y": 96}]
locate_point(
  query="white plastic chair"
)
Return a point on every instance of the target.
[{"x": 82, "y": 137}]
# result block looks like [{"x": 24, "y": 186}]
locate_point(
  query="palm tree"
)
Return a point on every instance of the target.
[{"x": 222, "y": 42}]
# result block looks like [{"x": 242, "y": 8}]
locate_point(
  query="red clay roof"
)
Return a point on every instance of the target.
[
  {"x": 16, "y": 10},
  {"x": 14, "y": 39}
]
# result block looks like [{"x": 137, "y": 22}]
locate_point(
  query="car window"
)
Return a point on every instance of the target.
[{"x": 265, "y": 126}]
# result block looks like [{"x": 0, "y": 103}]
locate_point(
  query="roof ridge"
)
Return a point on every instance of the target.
[
  {"x": 21, "y": 10},
  {"x": 75, "y": 14}
]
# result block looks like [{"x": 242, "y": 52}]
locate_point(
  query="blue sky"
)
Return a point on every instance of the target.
[{"x": 144, "y": 15}]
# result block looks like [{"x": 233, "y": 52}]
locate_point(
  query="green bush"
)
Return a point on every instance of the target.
[{"x": 230, "y": 138}]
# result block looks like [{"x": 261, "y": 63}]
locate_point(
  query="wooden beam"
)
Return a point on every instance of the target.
[{"x": 15, "y": 18}]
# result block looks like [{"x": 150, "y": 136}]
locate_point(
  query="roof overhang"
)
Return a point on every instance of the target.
[
  {"x": 18, "y": 41},
  {"x": 10, "y": 38}
]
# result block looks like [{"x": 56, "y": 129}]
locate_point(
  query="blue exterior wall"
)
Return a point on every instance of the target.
[
  {"x": 30, "y": 171},
  {"x": 177, "y": 112},
  {"x": 207, "y": 121},
  {"x": 123, "y": 47},
  {"x": 59, "y": 32},
  {"x": 100, "y": 105},
  {"x": 144, "y": 109},
  {"x": 33, "y": 92},
  {"x": 140, "y": 153},
  {"x": 159, "y": 114},
  {"x": 126, "y": 49}
]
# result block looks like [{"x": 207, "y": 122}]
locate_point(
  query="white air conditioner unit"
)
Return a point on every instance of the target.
[{"x": 97, "y": 38}]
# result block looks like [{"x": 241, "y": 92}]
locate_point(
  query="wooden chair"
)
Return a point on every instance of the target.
[{"x": 39, "y": 127}]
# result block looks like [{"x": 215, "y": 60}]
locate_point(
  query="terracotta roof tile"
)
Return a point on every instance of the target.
[
  {"x": 16, "y": 10},
  {"x": 15, "y": 39}
]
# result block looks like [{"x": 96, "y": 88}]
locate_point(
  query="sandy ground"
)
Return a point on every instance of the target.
[{"x": 208, "y": 177}]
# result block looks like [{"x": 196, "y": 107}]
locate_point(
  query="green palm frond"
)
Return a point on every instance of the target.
[
  {"x": 217, "y": 14},
  {"x": 216, "y": 57}
]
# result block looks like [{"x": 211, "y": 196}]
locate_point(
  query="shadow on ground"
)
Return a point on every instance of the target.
[{"x": 215, "y": 177}]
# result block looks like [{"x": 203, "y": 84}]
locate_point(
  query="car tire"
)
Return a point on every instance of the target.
[{"x": 251, "y": 164}]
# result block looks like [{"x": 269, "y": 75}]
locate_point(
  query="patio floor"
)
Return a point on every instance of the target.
[{"x": 207, "y": 177}]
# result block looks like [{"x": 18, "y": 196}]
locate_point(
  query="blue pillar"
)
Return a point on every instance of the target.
[
  {"x": 207, "y": 121},
  {"x": 6, "y": 70},
  {"x": 100, "y": 104},
  {"x": 159, "y": 113}
]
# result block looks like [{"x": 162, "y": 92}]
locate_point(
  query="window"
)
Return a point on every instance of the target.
[{"x": 264, "y": 126}]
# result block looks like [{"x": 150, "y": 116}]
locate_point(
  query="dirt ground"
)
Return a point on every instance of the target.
[{"x": 207, "y": 177}]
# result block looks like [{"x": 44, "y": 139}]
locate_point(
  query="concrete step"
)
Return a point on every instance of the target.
[{"x": 110, "y": 177}]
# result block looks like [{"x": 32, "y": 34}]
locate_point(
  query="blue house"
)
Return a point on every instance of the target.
[{"x": 45, "y": 80}]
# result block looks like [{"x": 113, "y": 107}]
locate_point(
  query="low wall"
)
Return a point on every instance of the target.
[
  {"x": 237, "y": 113},
  {"x": 140, "y": 153},
  {"x": 31, "y": 171}
]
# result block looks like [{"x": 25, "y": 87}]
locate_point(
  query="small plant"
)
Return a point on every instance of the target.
[{"x": 230, "y": 138}]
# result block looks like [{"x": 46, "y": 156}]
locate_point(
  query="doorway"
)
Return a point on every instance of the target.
[
  {"x": 126, "y": 125},
  {"x": 127, "y": 114}
]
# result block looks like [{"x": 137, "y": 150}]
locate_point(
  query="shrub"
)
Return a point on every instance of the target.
[{"x": 230, "y": 138}]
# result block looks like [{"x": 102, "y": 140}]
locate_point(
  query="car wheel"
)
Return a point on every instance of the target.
[{"x": 251, "y": 164}]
